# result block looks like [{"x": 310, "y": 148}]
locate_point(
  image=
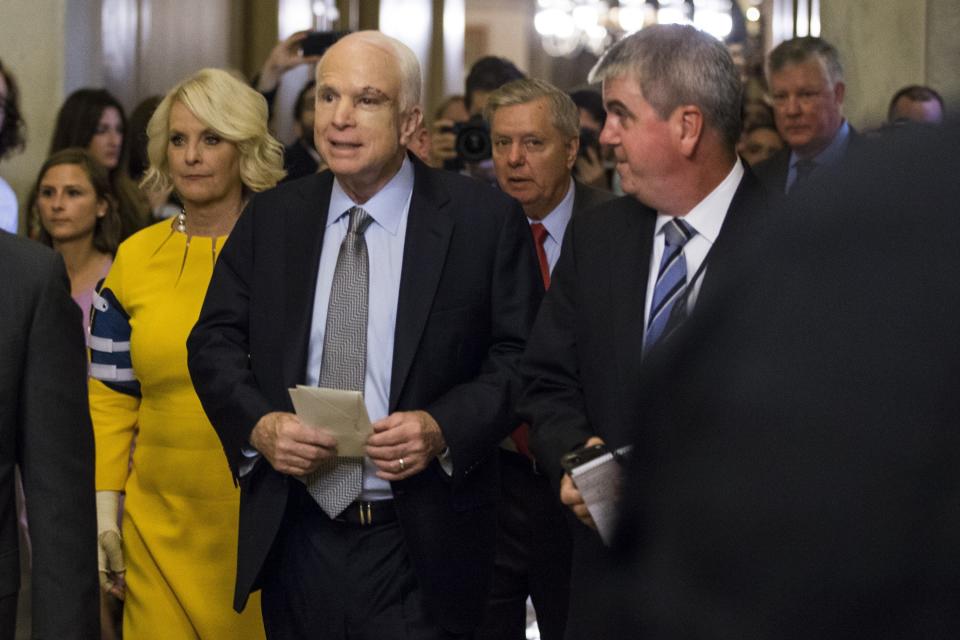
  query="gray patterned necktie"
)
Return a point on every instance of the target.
[{"x": 343, "y": 364}]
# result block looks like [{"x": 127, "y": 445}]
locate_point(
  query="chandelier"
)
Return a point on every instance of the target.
[{"x": 565, "y": 26}]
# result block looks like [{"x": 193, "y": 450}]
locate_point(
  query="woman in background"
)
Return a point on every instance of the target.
[
  {"x": 11, "y": 141},
  {"x": 92, "y": 119},
  {"x": 208, "y": 140},
  {"x": 78, "y": 218}
]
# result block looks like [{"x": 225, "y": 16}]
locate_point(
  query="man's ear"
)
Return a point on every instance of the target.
[
  {"x": 573, "y": 146},
  {"x": 687, "y": 125},
  {"x": 839, "y": 89},
  {"x": 409, "y": 123}
]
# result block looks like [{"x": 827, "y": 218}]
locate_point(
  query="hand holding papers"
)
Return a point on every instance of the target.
[
  {"x": 597, "y": 474},
  {"x": 342, "y": 413}
]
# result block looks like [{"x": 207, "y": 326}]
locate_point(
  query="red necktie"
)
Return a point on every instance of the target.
[
  {"x": 521, "y": 435},
  {"x": 540, "y": 235}
]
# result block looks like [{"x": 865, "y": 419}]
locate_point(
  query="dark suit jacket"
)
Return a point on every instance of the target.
[
  {"x": 772, "y": 172},
  {"x": 803, "y": 480},
  {"x": 582, "y": 369},
  {"x": 586, "y": 197},
  {"x": 468, "y": 295},
  {"x": 45, "y": 428}
]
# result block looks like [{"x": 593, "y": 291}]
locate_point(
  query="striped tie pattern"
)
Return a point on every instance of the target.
[
  {"x": 343, "y": 364},
  {"x": 671, "y": 279}
]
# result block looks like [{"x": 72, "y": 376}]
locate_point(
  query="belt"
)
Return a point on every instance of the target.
[{"x": 365, "y": 514}]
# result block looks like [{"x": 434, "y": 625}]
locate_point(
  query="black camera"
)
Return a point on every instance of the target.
[
  {"x": 472, "y": 142},
  {"x": 317, "y": 42}
]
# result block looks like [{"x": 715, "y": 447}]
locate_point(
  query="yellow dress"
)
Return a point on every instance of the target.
[{"x": 181, "y": 508}]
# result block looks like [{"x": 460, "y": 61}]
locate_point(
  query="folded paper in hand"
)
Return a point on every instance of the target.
[
  {"x": 342, "y": 413},
  {"x": 599, "y": 484}
]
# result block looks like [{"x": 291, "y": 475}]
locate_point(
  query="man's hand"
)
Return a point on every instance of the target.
[
  {"x": 284, "y": 56},
  {"x": 570, "y": 495},
  {"x": 442, "y": 143},
  {"x": 291, "y": 446},
  {"x": 411, "y": 436},
  {"x": 590, "y": 170}
]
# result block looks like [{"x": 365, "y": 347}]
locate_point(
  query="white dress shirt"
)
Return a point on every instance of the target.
[{"x": 706, "y": 218}]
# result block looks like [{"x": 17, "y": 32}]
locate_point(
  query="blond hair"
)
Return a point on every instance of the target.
[{"x": 235, "y": 112}]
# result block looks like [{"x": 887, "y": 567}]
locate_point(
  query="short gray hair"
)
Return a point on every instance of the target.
[
  {"x": 407, "y": 64},
  {"x": 564, "y": 114},
  {"x": 676, "y": 65},
  {"x": 799, "y": 50}
]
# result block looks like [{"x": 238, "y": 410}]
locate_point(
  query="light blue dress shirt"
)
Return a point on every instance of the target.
[
  {"x": 385, "y": 237},
  {"x": 556, "y": 223},
  {"x": 831, "y": 156}
]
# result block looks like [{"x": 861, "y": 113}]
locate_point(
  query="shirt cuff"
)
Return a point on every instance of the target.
[
  {"x": 446, "y": 461},
  {"x": 252, "y": 456}
]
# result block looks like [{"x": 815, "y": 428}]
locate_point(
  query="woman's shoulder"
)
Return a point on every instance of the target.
[{"x": 145, "y": 243}]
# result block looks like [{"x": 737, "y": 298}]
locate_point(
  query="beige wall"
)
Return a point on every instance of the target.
[
  {"x": 31, "y": 46},
  {"x": 882, "y": 50},
  {"x": 506, "y": 26}
]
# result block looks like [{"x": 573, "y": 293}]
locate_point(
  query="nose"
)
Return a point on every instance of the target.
[
  {"x": 56, "y": 202},
  {"x": 192, "y": 153},
  {"x": 343, "y": 114},
  {"x": 516, "y": 157},
  {"x": 792, "y": 105},
  {"x": 607, "y": 134}
]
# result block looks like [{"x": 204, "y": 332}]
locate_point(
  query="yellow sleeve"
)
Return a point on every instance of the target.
[{"x": 114, "y": 414}]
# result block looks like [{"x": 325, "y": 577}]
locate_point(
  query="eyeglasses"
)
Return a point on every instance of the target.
[{"x": 804, "y": 98}]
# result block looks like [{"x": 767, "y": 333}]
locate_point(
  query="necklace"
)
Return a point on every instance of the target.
[{"x": 180, "y": 224}]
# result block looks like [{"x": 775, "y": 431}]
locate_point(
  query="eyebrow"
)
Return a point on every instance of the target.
[
  {"x": 373, "y": 92},
  {"x": 66, "y": 186},
  {"x": 617, "y": 104}
]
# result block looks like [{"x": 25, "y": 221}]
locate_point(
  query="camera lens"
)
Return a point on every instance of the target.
[{"x": 473, "y": 142}]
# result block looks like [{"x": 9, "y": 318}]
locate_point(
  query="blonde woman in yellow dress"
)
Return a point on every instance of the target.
[{"x": 209, "y": 141}]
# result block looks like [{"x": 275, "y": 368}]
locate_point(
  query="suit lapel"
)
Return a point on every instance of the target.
[
  {"x": 627, "y": 281},
  {"x": 303, "y": 230},
  {"x": 741, "y": 222},
  {"x": 429, "y": 229}
]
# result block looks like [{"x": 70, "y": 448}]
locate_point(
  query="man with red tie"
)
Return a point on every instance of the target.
[{"x": 534, "y": 129}]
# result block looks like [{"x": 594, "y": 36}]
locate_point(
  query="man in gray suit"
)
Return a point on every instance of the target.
[
  {"x": 45, "y": 429},
  {"x": 535, "y": 131}
]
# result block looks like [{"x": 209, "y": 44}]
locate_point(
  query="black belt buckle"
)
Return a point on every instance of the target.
[
  {"x": 365, "y": 514},
  {"x": 365, "y": 510}
]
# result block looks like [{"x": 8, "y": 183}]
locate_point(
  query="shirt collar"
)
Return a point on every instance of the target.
[
  {"x": 834, "y": 151},
  {"x": 707, "y": 217},
  {"x": 556, "y": 221},
  {"x": 386, "y": 207}
]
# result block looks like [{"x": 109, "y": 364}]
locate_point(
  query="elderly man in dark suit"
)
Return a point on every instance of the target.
[
  {"x": 535, "y": 133},
  {"x": 634, "y": 267},
  {"x": 806, "y": 92},
  {"x": 45, "y": 429},
  {"x": 412, "y": 285}
]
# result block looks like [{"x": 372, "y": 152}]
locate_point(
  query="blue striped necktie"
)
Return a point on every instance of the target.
[{"x": 671, "y": 279}]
